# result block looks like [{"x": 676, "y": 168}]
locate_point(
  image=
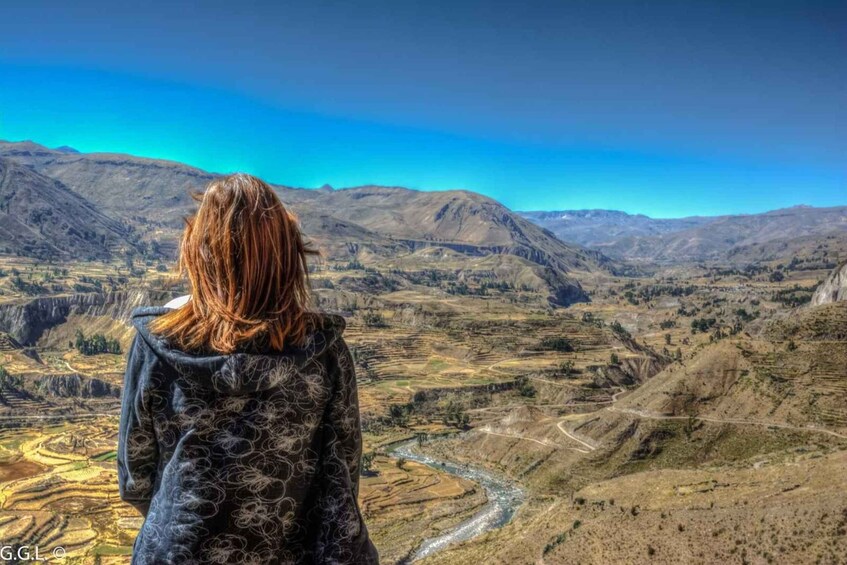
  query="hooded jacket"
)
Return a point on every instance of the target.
[{"x": 243, "y": 458}]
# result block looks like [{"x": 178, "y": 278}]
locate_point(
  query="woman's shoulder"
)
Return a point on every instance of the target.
[
  {"x": 143, "y": 314},
  {"x": 326, "y": 335},
  {"x": 329, "y": 322}
]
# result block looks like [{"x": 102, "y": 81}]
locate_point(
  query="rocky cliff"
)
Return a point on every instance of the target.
[
  {"x": 75, "y": 386},
  {"x": 833, "y": 289},
  {"x": 25, "y": 321}
]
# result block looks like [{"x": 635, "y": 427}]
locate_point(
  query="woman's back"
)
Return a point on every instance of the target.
[
  {"x": 243, "y": 458},
  {"x": 240, "y": 438}
]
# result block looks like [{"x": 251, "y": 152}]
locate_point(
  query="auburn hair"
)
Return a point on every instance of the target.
[{"x": 245, "y": 259}]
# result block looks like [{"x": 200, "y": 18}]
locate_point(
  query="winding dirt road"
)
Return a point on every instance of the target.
[
  {"x": 590, "y": 448},
  {"x": 652, "y": 416}
]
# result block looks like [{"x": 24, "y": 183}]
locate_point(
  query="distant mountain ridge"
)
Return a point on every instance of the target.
[
  {"x": 603, "y": 227},
  {"x": 736, "y": 238}
]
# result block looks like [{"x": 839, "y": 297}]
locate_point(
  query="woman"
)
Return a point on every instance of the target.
[{"x": 240, "y": 439}]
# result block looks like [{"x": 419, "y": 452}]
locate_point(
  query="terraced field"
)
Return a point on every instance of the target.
[{"x": 58, "y": 488}]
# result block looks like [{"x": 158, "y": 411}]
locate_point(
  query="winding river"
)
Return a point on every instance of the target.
[{"x": 504, "y": 498}]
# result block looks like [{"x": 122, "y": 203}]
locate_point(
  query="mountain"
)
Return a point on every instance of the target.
[
  {"x": 719, "y": 238},
  {"x": 144, "y": 190},
  {"x": 775, "y": 235},
  {"x": 154, "y": 195},
  {"x": 153, "y": 191},
  {"x": 460, "y": 220},
  {"x": 594, "y": 228},
  {"x": 41, "y": 217}
]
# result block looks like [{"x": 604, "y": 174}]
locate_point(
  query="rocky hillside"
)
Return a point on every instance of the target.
[
  {"x": 464, "y": 221},
  {"x": 833, "y": 289},
  {"x": 26, "y": 320},
  {"x": 792, "y": 373},
  {"x": 146, "y": 190},
  {"x": 41, "y": 217},
  {"x": 810, "y": 252}
]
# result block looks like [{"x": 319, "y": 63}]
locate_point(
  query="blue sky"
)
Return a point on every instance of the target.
[{"x": 664, "y": 108}]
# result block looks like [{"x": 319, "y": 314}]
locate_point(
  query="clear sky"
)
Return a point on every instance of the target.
[{"x": 667, "y": 108}]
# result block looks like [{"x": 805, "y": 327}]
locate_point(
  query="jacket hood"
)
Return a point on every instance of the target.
[{"x": 238, "y": 373}]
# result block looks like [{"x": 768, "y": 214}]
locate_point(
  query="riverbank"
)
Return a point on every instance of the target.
[{"x": 504, "y": 497}]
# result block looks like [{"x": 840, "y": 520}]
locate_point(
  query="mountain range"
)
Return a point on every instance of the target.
[
  {"x": 124, "y": 200},
  {"x": 597, "y": 228},
  {"x": 151, "y": 197},
  {"x": 773, "y": 235}
]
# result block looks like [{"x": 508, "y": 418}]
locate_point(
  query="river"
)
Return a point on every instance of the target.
[{"x": 504, "y": 498}]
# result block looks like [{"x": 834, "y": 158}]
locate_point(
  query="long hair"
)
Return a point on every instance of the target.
[{"x": 245, "y": 258}]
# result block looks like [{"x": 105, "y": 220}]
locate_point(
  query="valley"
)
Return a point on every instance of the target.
[{"x": 647, "y": 409}]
